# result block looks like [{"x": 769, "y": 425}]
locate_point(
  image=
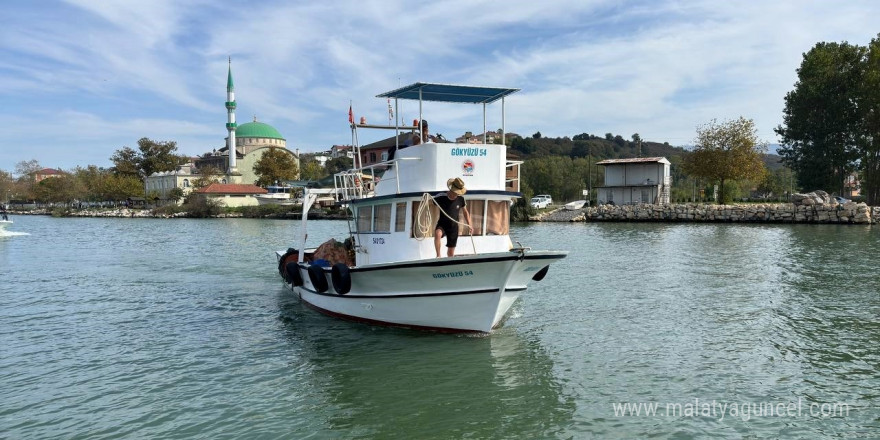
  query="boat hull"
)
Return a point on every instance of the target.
[
  {"x": 276, "y": 201},
  {"x": 460, "y": 294}
]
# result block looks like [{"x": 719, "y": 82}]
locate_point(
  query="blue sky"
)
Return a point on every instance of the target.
[{"x": 80, "y": 79}]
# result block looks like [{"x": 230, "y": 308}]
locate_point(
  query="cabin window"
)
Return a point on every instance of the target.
[
  {"x": 400, "y": 217},
  {"x": 498, "y": 218},
  {"x": 365, "y": 215},
  {"x": 382, "y": 218},
  {"x": 475, "y": 208}
]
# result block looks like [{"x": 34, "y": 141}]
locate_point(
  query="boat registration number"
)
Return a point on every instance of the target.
[{"x": 460, "y": 273}]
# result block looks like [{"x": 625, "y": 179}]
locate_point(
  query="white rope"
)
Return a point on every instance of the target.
[{"x": 425, "y": 225}]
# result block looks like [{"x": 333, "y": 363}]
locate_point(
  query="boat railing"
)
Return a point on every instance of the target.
[
  {"x": 512, "y": 175},
  {"x": 361, "y": 182}
]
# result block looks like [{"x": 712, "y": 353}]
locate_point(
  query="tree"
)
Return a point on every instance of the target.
[
  {"x": 119, "y": 187},
  {"x": 726, "y": 151},
  {"x": 152, "y": 157},
  {"x": 156, "y": 157},
  {"x": 821, "y": 116},
  {"x": 868, "y": 103},
  {"x": 311, "y": 170},
  {"x": 125, "y": 162},
  {"x": 537, "y": 135},
  {"x": 175, "y": 194},
  {"x": 207, "y": 175},
  {"x": 275, "y": 165},
  {"x": 27, "y": 168},
  {"x": 338, "y": 164}
]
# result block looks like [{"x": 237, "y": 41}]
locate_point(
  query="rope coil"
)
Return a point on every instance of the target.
[{"x": 425, "y": 225}]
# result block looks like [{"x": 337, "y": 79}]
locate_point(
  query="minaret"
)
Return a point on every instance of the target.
[{"x": 230, "y": 124}]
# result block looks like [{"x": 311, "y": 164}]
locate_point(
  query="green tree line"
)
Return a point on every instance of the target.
[{"x": 831, "y": 120}]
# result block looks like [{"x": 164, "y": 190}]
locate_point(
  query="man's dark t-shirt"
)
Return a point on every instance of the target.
[{"x": 452, "y": 208}]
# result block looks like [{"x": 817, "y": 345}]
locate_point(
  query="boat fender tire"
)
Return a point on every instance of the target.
[
  {"x": 293, "y": 276},
  {"x": 341, "y": 278},
  {"x": 282, "y": 262},
  {"x": 318, "y": 279},
  {"x": 541, "y": 274}
]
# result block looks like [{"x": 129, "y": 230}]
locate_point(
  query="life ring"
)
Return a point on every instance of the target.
[
  {"x": 541, "y": 274},
  {"x": 341, "y": 278},
  {"x": 318, "y": 279},
  {"x": 293, "y": 276}
]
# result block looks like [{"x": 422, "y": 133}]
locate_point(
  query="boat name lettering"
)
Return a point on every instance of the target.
[
  {"x": 378, "y": 240},
  {"x": 531, "y": 269},
  {"x": 460, "y": 273},
  {"x": 468, "y": 151}
]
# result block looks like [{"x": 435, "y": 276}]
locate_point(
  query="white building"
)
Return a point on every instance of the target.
[{"x": 634, "y": 181}]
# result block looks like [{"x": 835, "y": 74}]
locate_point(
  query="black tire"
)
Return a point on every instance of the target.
[
  {"x": 282, "y": 262},
  {"x": 318, "y": 279},
  {"x": 341, "y": 278},
  {"x": 541, "y": 274},
  {"x": 294, "y": 277}
]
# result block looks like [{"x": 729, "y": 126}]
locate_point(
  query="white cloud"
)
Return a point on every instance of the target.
[{"x": 94, "y": 74}]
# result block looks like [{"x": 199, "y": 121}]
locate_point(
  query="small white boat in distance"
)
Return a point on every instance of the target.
[
  {"x": 575, "y": 205},
  {"x": 387, "y": 273},
  {"x": 277, "y": 195}
]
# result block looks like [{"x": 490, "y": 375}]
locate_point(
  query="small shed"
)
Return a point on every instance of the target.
[{"x": 641, "y": 180}]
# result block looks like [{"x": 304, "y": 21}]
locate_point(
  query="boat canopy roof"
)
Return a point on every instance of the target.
[{"x": 449, "y": 93}]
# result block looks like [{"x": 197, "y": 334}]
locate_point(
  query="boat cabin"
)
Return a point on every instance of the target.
[{"x": 393, "y": 214}]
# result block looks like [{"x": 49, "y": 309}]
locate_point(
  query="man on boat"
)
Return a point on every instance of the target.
[{"x": 450, "y": 205}]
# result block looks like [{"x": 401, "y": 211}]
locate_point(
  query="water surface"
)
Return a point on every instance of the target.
[{"x": 151, "y": 328}]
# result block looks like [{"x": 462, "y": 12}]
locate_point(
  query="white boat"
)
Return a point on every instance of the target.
[
  {"x": 575, "y": 205},
  {"x": 277, "y": 195},
  {"x": 393, "y": 276}
]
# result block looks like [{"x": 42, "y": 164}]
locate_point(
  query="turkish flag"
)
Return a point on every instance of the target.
[{"x": 350, "y": 116}]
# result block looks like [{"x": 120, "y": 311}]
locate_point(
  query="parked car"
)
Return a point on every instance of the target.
[
  {"x": 540, "y": 202},
  {"x": 841, "y": 200},
  {"x": 545, "y": 197}
]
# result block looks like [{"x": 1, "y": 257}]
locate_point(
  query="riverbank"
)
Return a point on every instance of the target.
[
  {"x": 848, "y": 213},
  {"x": 148, "y": 213}
]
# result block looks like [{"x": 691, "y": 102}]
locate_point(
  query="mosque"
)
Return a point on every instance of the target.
[{"x": 236, "y": 187}]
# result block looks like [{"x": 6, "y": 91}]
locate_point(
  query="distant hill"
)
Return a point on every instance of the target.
[
  {"x": 604, "y": 148},
  {"x": 598, "y": 147}
]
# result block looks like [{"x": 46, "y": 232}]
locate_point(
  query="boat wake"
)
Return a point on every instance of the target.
[{"x": 5, "y": 233}]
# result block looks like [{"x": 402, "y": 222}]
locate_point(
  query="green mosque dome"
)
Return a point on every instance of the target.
[{"x": 257, "y": 130}]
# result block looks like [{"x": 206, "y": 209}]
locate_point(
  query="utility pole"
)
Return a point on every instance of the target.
[{"x": 590, "y": 173}]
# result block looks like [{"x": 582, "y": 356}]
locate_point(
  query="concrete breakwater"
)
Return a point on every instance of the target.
[{"x": 855, "y": 213}]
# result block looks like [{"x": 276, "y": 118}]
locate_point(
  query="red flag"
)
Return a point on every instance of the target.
[{"x": 350, "y": 115}]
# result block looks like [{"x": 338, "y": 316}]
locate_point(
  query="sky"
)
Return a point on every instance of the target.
[{"x": 80, "y": 79}]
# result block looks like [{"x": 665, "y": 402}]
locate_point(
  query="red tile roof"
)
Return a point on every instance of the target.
[
  {"x": 231, "y": 188},
  {"x": 49, "y": 171}
]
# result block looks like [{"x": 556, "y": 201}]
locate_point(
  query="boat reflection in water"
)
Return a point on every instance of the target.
[{"x": 379, "y": 382}]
